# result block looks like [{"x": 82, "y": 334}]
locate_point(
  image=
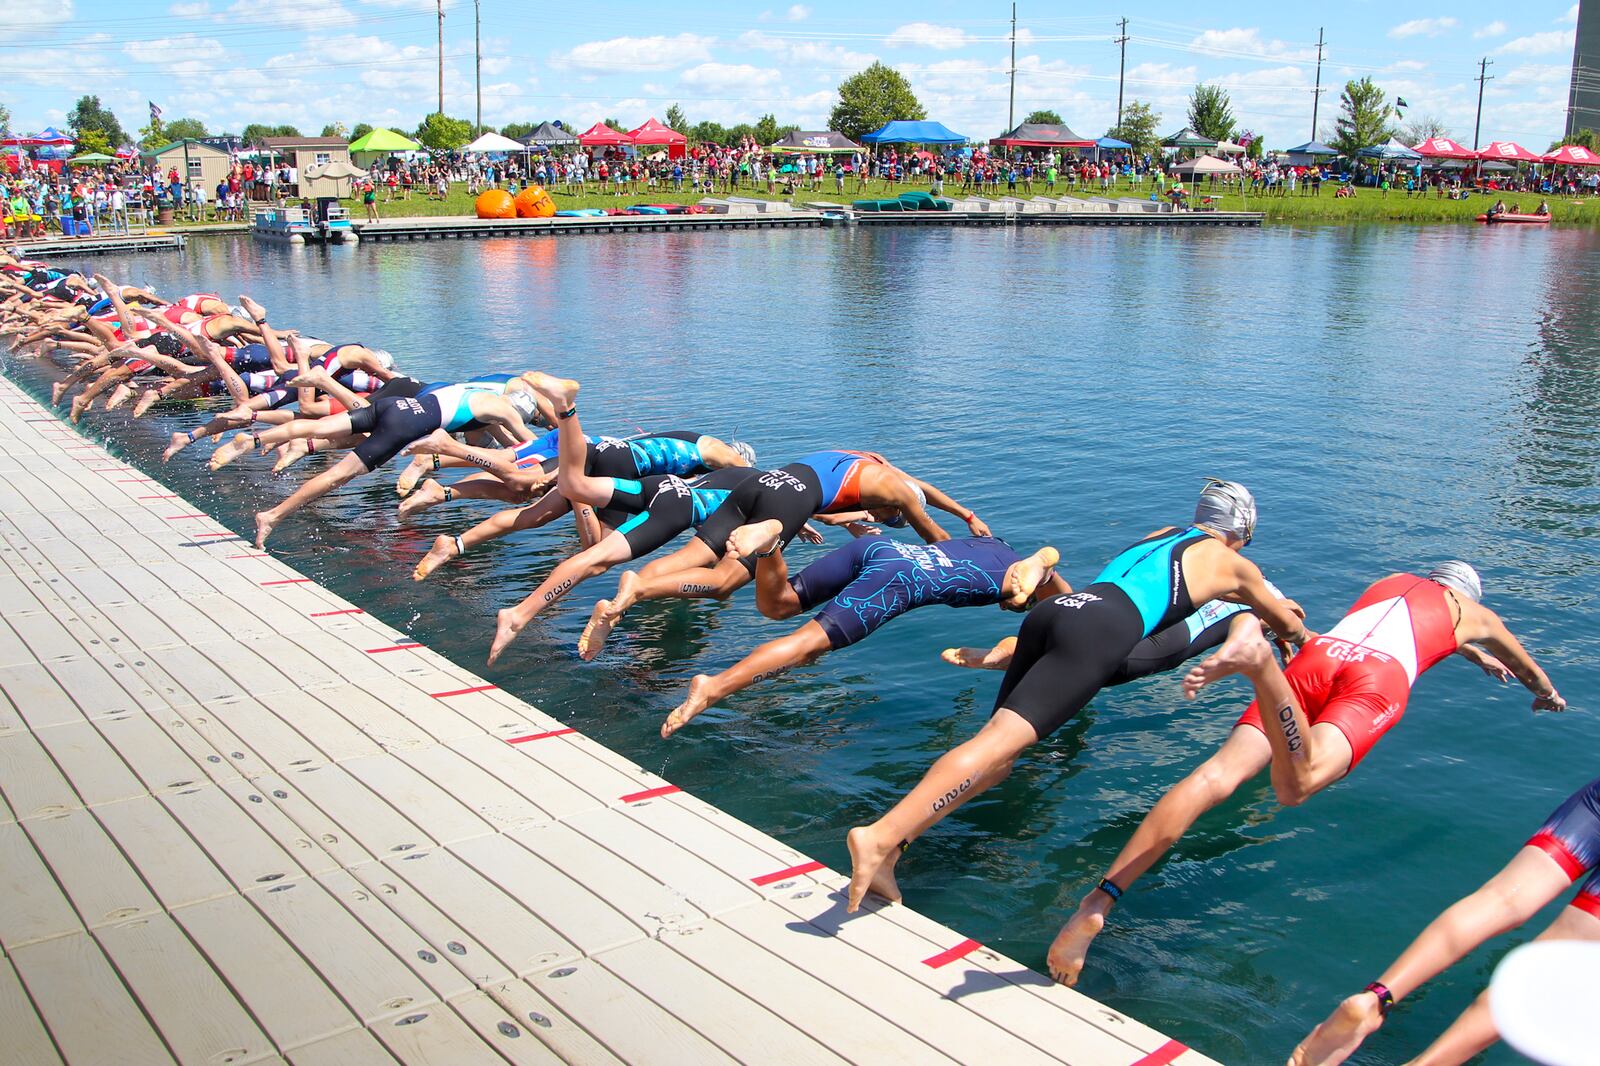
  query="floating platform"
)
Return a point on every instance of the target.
[
  {"x": 52, "y": 249},
  {"x": 438, "y": 228},
  {"x": 241, "y": 821}
]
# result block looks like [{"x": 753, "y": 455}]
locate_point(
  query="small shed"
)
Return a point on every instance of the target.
[
  {"x": 197, "y": 160},
  {"x": 304, "y": 152}
]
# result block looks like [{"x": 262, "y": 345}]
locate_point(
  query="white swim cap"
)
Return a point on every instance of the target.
[
  {"x": 1460, "y": 576},
  {"x": 385, "y": 360},
  {"x": 524, "y": 402},
  {"x": 1227, "y": 507},
  {"x": 744, "y": 451},
  {"x": 239, "y": 312},
  {"x": 900, "y": 516}
]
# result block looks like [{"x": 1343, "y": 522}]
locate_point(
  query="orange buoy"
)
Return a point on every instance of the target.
[
  {"x": 534, "y": 202},
  {"x": 495, "y": 203}
]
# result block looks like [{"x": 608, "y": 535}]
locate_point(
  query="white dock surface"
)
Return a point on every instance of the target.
[{"x": 243, "y": 821}]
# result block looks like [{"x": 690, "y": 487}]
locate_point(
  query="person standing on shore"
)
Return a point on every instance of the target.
[
  {"x": 1313, "y": 723},
  {"x": 369, "y": 199}
]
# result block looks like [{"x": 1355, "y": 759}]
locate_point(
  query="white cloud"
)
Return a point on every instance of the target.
[
  {"x": 1571, "y": 17},
  {"x": 1406, "y": 66},
  {"x": 1494, "y": 29},
  {"x": 1540, "y": 44},
  {"x": 927, "y": 35},
  {"x": 182, "y": 56},
  {"x": 740, "y": 78},
  {"x": 185, "y": 10},
  {"x": 1423, "y": 28},
  {"x": 302, "y": 14},
  {"x": 29, "y": 16},
  {"x": 1538, "y": 74},
  {"x": 797, "y": 13},
  {"x": 809, "y": 56},
  {"x": 1248, "y": 41},
  {"x": 639, "y": 53}
]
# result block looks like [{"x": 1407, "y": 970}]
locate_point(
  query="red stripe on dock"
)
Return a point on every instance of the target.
[
  {"x": 164, "y": 496},
  {"x": 393, "y": 647},
  {"x": 133, "y": 480},
  {"x": 78, "y": 447},
  {"x": 181, "y": 517},
  {"x": 945, "y": 958},
  {"x": 541, "y": 736},
  {"x": 793, "y": 871},
  {"x": 650, "y": 793},
  {"x": 252, "y": 555},
  {"x": 287, "y": 581},
  {"x": 330, "y": 614},
  {"x": 208, "y": 536},
  {"x": 1162, "y": 1055},
  {"x": 463, "y": 691}
]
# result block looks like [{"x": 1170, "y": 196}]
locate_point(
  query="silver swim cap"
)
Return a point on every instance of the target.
[
  {"x": 239, "y": 312},
  {"x": 524, "y": 402},
  {"x": 744, "y": 451},
  {"x": 1227, "y": 507},
  {"x": 900, "y": 516},
  {"x": 1460, "y": 576},
  {"x": 385, "y": 360}
]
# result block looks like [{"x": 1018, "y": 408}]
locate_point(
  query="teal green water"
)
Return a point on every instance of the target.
[{"x": 1393, "y": 396}]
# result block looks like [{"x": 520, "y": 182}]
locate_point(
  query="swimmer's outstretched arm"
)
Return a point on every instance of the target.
[
  {"x": 1480, "y": 625},
  {"x": 938, "y": 498},
  {"x": 212, "y": 354},
  {"x": 492, "y": 460},
  {"x": 1485, "y": 662}
]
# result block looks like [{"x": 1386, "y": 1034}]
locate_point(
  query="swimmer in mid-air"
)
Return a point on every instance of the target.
[
  {"x": 1314, "y": 722},
  {"x": 862, "y": 586},
  {"x": 1565, "y": 848},
  {"x": 1068, "y": 648}
]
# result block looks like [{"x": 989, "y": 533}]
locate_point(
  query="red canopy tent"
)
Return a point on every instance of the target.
[
  {"x": 1443, "y": 148},
  {"x": 602, "y": 136},
  {"x": 1573, "y": 155},
  {"x": 25, "y": 140},
  {"x": 1509, "y": 152},
  {"x": 653, "y": 134}
]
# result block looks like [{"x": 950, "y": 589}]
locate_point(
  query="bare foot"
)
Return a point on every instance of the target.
[
  {"x": 871, "y": 868},
  {"x": 1245, "y": 651},
  {"x": 264, "y": 523},
  {"x": 563, "y": 392},
  {"x": 433, "y": 444},
  {"x": 230, "y": 451},
  {"x": 607, "y": 613},
  {"x": 119, "y": 396},
  {"x": 411, "y": 475},
  {"x": 1027, "y": 575},
  {"x": 147, "y": 400},
  {"x": 507, "y": 626},
  {"x": 313, "y": 378},
  {"x": 699, "y": 699},
  {"x": 1337, "y": 1038},
  {"x": 180, "y": 441},
  {"x": 251, "y": 308},
  {"x": 79, "y": 405},
  {"x": 428, "y": 494},
  {"x": 995, "y": 658},
  {"x": 754, "y": 539},
  {"x": 1071, "y": 945},
  {"x": 443, "y": 550},
  {"x": 58, "y": 390},
  {"x": 291, "y": 452}
]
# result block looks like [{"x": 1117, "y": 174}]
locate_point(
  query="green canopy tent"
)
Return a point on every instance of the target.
[
  {"x": 92, "y": 159},
  {"x": 367, "y": 149},
  {"x": 1188, "y": 138}
]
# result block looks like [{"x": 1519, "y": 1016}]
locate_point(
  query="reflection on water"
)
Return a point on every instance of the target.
[{"x": 1393, "y": 396}]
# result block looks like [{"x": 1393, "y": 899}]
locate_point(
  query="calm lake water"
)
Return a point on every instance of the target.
[{"x": 1394, "y": 396}]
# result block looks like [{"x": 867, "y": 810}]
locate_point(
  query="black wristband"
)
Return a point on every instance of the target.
[{"x": 1110, "y": 889}]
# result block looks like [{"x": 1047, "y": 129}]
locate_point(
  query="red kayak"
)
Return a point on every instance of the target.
[{"x": 1526, "y": 220}]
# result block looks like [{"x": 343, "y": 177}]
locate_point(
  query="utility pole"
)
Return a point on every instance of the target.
[
  {"x": 1316, "y": 94},
  {"x": 1011, "y": 108},
  {"x": 477, "y": 66},
  {"x": 1483, "y": 76},
  {"x": 440, "y": 5},
  {"x": 1122, "y": 65}
]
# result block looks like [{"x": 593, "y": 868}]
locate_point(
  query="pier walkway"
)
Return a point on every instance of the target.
[{"x": 243, "y": 821}]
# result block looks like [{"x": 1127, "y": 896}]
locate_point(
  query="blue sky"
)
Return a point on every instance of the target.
[{"x": 310, "y": 62}]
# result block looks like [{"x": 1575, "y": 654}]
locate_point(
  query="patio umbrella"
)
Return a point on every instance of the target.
[
  {"x": 1572, "y": 155},
  {"x": 1188, "y": 138},
  {"x": 1509, "y": 152},
  {"x": 90, "y": 158},
  {"x": 1443, "y": 148},
  {"x": 382, "y": 140}
]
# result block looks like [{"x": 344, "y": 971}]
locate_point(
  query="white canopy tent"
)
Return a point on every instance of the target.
[
  {"x": 494, "y": 142},
  {"x": 1230, "y": 148},
  {"x": 1206, "y": 164}
]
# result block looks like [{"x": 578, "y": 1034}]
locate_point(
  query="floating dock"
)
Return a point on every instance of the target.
[
  {"x": 241, "y": 821},
  {"x": 447, "y": 227},
  {"x": 61, "y": 249}
]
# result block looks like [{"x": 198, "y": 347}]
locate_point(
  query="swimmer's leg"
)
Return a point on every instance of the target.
[
  {"x": 349, "y": 467},
  {"x": 568, "y": 575},
  {"x": 1512, "y": 896},
  {"x": 805, "y": 645},
  {"x": 551, "y": 507},
  {"x": 959, "y": 775},
  {"x": 1242, "y": 756}
]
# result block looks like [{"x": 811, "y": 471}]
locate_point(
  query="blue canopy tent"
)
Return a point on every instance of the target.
[
  {"x": 1312, "y": 148},
  {"x": 1111, "y": 144},
  {"x": 1392, "y": 150},
  {"x": 902, "y": 131}
]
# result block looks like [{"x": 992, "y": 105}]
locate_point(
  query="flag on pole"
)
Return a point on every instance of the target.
[
  {"x": 1400, "y": 104},
  {"x": 155, "y": 113}
]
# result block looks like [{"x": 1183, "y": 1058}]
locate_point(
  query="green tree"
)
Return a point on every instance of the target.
[
  {"x": 1138, "y": 127},
  {"x": 254, "y": 132},
  {"x": 615, "y": 123},
  {"x": 708, "y": 133},
  {"x": 1363, "y": 118},
  {"x": 1211, "y": 113},
  {"x": 871, "y": 98},
  {"x": 518, "y": 130},
  {"x": 94, "y": 141},
  {"x": 88, "y": 117},
  {"x": 180, "y": 128},
  {"x": 5, "y": 117},
  {"x": 767, "y": 130},
  {"x": 676, "y": 119},
  {"x": 360, "y": 130},
  {"x": 1421, "y": 128},
  {"x": 1590, "y": 139},
  {"x": 336, "y": 129},
  {"x": 1049, "y": 118},
  {"x": 443, "y": 133}
]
